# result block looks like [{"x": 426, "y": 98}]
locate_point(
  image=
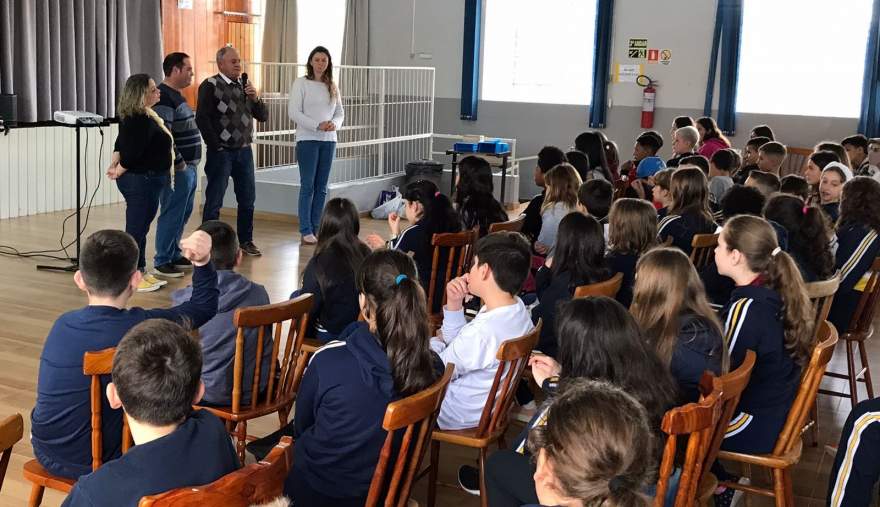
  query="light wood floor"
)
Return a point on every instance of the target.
[{"x": 30, "y": 301}]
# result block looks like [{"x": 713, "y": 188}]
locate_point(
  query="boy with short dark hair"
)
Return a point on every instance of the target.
[
  {"x": 218, "y": 334},
  {"x": 752, "y": 148},
  {"x": 857, "y": 148},
  {"x": 647, "y": 145},
  {"x": 156, "y": 381},
  {"x": 722, "y": 165},
  {"x": 771, "y": 156},
  {"x": 548, "y": 158},
  {"x": 501, "y": 263},
  {"x": 108, "y": 274},
  {"x": 795, "y": 185},
  {"x": 594, "y": 199},
  {"x": 698, "y": 161},
  {"x": 766, "y": 183}
]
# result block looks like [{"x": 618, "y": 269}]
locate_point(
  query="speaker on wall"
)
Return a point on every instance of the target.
[{"x": 9, "y": 109}]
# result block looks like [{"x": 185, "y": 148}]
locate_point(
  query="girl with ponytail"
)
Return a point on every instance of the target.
[
  {"x": 349, "y": 382},
  {"x": 769, "y": 312},
  {"x": 429, "y": 212},
  {"x": 808, "y": 232},
  {"x": 596, "y": 448}
]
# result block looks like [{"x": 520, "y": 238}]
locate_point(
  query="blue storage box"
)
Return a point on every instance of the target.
[
  {"x": 465, "y": 147},
  {"x": 494, "y": 146}
]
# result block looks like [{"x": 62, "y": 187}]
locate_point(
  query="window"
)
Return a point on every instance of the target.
[
  {"x": 320, "y": 23},
  {"x": 538, "y": 51},
  {"x": 803, "y": 57}
]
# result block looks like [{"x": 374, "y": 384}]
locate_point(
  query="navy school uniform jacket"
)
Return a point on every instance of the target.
[
  {"x": 857, "y": 247},
  {"x": 682, "y": 228},
  {"x": 856, "y": 469},
  {"x": 217, "y": 337},
  {"x": 335, "y": 306},
  {"x": 699, "y": 348},
  {"x": 60, "y": 422},
  {"x": 552, "y": 289},
  {"x": 415, "y": 240},
  {"x": 832, "y": 209},
  {"x": 197, "y": 452},
  {"x": 623, "y": 263},
  {"x": 753, "y": 321},
  {"x": 339, "y": 411},
  {"x": 532, "y": 223}
]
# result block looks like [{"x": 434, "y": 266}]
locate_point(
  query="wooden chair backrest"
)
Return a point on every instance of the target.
[
  {"x": 513, "y": 355},
  {"x": 460, "y": 246},
  {"x": 11, "y": 431},
  {"x": 514, "y": 225},
  {"x": 698, "y": 421},
  {"x": 256, "y": 483},
  {"x": 703, "y": 249},
  {"x": 418, "y": 414},
  {"x": 95, "y": 365},
  {"x": 809, "y": 387},
  {"x": 607, "y": 288},
  {"x": 821, "y": 296},
  {"x": 731, "y": 386},
  {"x": 273, "y": 317},
  {"x": 867, "y": 307},
  {"x": 795, "y": 160}
]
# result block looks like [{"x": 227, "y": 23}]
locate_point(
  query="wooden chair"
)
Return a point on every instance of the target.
[
  {"x": 795, "y": 160},
  {"x": 698, "y": 422},
  {"x": 459, "y": 246},
  {"x": 821, "y": 296},
  {"x": 95, "y": 364},
  {"x": 860, "y": 329},
  {"x": 514, "y": 225},
  {"x": 256, "y": 483},
  {"x": 787, "y": 451},
  {"x": 11, "y": 431},
  {"x": 732, "y": 386},
  {"x": 607, "y": 288},
  {"x": 283, "y": 379},
  {"x": 512, "y": 357},
  {"x": 703, "y": 249},
  {"x": 418, "y": 415}
]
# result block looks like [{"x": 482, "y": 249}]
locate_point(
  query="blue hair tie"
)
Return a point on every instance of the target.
[{"x": 399, "y": 278}]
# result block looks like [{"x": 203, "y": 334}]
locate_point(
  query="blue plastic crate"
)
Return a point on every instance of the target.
[
  {"x": 465, "y": 147},
  {"x": 495, "y": 146}
]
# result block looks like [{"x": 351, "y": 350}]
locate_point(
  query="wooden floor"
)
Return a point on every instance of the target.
[{"x": 31, "y": 300}]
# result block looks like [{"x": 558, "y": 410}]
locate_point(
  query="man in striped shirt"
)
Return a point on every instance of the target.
[{"x": 177, "y": 198}]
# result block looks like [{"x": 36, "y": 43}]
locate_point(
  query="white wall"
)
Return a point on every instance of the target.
[{"x": 683, "y": 26}]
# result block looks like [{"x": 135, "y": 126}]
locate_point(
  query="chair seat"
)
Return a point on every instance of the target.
[
  {"x": 466, "y": 437},
  {"x": 35, "y": 473},
  {"x": 857, "y": 337},
  {"x": 246, "y": 414},
  {"x": 766, "y": 460}
]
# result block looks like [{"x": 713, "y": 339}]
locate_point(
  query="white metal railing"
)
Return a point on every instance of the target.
[{"x": 389, "y": 118}]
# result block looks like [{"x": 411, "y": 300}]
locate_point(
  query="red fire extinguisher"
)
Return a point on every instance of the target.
[{"x": 649, "y": 96}]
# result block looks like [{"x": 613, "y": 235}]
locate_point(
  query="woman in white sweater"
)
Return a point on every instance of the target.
[{"x": 316, "y": 107}]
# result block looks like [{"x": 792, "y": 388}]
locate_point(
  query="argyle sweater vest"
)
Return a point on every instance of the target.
[{"x": 224, "y": 114}]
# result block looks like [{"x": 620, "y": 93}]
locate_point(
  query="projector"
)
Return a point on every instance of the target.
[{"x": 78, "y": 117}]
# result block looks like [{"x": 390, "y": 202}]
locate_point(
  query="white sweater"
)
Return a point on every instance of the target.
[
  {"x": 309, "y": 105},
  {"x": 472, "y": 347}
]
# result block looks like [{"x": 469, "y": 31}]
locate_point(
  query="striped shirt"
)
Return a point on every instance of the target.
[{"x": 180, "y": 119}]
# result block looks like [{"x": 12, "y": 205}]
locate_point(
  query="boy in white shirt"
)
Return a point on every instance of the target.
[{"x": 500, "y": 266}]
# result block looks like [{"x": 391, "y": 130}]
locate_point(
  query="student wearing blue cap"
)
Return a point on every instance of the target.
[{"x": 641, "y": 187}]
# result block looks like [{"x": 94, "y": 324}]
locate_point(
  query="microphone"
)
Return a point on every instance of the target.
[{"x": 244, "y": 79}]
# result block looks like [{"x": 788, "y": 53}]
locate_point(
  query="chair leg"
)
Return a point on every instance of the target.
[
  {"x": 869, "y": 385},
  {"x": 782, "y": 488},
  {"x": 241, "y": 439},
  {"x": 851, "y": 373},
  {"x": 36, "y": 497},
  {"x": 814, "y": 430},
  {"x": 432, "y": 473},
  {"x": 484, "y": 496}
]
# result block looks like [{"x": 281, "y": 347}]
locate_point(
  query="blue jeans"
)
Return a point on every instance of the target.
[
  {"x": 176, "y": 206},
  {"x": 239, "y": 164},
  {"x": 141, "y": 192},
  {"x": 314, "y": 159}
]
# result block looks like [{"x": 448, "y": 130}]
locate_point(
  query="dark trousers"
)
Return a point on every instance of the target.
[
  {"x": 141, "y": 192},
  {"x": 510, "y": 479},
  {"x": 219, "y": 167}
]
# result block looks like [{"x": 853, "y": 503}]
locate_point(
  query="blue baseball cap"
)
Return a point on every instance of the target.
[{"x": 649, "y": 166}]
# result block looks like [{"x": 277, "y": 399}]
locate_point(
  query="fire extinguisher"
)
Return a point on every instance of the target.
[{"x": 649, "y": 96}]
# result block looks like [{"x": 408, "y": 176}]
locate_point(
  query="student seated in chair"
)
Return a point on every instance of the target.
[
  {"x": 217, "y": 336},
  {"x": 501, "y": 263},
  {"x": 60, "y": 430},
  {"x": 856, "y": 470},
  {"x": 155, "y": 381}
]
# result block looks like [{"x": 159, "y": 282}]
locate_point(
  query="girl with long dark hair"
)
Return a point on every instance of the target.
[
  {"x": 474, "y": 196},
  {"x": 689, "y": 213},
  {"x": 711, "y": 138},
  {"x": 808, "y": 233},
  {"x": 330, "y": 273},
  {"x": 344, "y": 392}
]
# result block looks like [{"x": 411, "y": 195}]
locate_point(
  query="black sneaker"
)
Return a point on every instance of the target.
[
  {"x": 167, "y": 271},
  {"x": 182, "y": 263},
  {"x": 469, "y": 479},
  {"x": 250, "y": 248}
]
